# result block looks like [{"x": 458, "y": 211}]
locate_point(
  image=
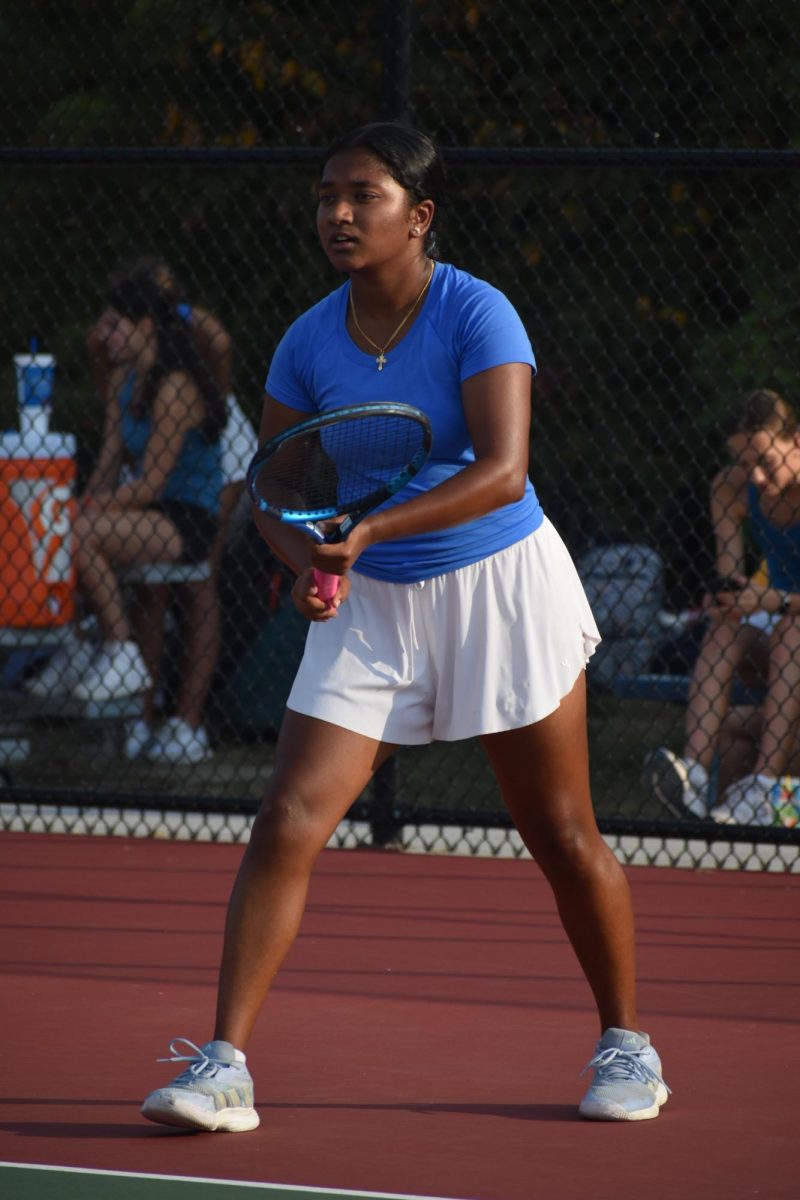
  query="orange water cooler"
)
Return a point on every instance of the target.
[{"x": 37, "y": 508}]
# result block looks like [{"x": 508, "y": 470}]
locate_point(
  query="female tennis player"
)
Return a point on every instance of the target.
[{"x": 459, "y": 614}]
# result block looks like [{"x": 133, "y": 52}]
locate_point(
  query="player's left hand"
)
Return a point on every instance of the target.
[{"x": 308, "y": 603}]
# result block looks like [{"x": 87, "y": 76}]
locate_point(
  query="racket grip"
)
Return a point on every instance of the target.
[{"x": 327, "y": 585}]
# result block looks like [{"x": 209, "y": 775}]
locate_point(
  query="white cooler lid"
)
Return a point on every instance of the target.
[{"x": 52, "y": 445}]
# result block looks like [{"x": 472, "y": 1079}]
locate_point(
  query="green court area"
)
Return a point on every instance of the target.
[{"x": 20, "y": 1182}]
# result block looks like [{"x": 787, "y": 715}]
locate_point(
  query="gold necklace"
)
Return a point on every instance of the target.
[{"x": 381, "y": 359}]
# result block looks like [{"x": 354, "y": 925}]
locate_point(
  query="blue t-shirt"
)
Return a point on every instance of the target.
[
  {"x": 465, "y": 326},
  {"x": 780, "y": 547},
  {"x": 196, "y": 477}
]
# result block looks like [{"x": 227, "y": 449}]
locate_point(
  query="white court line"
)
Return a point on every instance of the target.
[{"x": 272, "y": 1187}]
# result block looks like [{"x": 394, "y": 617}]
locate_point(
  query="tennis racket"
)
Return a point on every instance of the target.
[{"x": 340, "y": 464}]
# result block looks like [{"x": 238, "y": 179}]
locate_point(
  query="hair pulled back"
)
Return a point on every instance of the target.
[{"x": 411, "y": 158}]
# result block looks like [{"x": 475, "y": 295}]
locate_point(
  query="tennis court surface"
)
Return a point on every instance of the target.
[{"x": 424, "y": 1039}]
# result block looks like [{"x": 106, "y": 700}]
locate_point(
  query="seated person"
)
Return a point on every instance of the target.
[
  {"x": 182, "y": 737},
  {"x": 154, "y": 495},
  {"x": 753, "y": 631}
]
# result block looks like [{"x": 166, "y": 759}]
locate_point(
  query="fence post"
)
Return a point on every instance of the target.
[{"x": 384, "y": 820}]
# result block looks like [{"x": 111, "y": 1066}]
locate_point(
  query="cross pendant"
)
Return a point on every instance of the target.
[{"x": 380, "y": 360}]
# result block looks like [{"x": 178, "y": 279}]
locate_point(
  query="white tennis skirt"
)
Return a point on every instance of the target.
[{"x": 487, "y": 648}]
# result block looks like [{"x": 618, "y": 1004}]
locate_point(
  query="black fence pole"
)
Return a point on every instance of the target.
[{"x": 384, "y": 820}]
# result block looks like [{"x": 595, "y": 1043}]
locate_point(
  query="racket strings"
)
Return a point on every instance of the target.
[{"x": 341, "y": 465}]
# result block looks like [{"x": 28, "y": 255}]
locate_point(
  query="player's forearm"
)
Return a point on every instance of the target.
[
  {"x": 479, "y": 489},
  {"x": 291, "y": 546}
]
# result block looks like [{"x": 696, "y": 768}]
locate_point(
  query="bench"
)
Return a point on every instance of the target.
[
  {"x": 674, "y": 689},
  {"x": 154, "y": 574},
  {"x": 19, "y": 711}
]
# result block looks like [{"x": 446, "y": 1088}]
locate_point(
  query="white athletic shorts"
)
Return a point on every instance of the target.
[{"x": 489, "y": 647}]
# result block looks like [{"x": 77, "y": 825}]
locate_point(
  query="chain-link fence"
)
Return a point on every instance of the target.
[{"x": 625, "y": 173}]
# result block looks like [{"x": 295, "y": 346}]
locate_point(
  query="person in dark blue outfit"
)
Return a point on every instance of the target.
[{"x": 754, "y": 625}]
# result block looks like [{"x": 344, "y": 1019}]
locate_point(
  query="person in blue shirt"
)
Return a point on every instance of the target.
[
  {"x": 182, "y": 737},
  {"x": 154, "y": 493},
  {"x": 458, "y": 614},
  {"x": 753, "y": 630}
]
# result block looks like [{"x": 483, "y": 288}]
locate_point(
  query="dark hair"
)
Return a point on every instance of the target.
[
  {"x": 153, "y": 266},
  {"x": 412, "y": 160},
  {"x": 765, "y": 409},
  {"x": 137, "y": 295}
]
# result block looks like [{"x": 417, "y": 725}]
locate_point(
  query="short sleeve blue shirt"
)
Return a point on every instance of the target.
[{"x": 465, "y": 326}]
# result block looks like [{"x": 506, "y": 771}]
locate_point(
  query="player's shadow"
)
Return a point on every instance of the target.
[
  {"x": 94, "y": 1130},
  {"x": 511, "y": 1112},
  {"x": 79, "y": 1130}
]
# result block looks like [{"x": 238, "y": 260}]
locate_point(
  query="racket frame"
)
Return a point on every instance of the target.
[{"x": 306, "y": 519}]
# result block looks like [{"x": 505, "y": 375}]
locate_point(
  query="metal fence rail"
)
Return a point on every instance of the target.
[{"x": 628, "y": 179}]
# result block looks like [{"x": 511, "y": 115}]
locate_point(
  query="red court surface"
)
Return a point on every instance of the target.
[{"x": 425, "y": 1036}]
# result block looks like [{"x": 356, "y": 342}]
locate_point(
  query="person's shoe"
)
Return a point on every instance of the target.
[
  {"x": 760, "y": 800},
  {"x": 680, "y": 784},
  {"x": 215, "y": 1092},
  {"x": 786, "y": 802},
  {"x": 177, "y": 742},
  {"x": 64, "y": 669},
  {"x": 627, "y": 1083},
  {"x": 138, "y": 737},
  {"x": 117, "y": 672}
]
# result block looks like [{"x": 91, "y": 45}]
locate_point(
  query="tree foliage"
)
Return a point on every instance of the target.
[{"x": 652, "y": 297}]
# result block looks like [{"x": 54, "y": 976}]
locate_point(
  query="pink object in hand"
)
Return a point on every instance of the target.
[{"x": 327, "y": 585}]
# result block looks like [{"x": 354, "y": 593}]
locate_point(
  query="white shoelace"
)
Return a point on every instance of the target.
[
  {"x": 615, "y": 1063},
  {"x": 202, "y": 1067}
]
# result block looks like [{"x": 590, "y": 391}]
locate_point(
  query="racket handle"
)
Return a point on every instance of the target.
[{"x": 327, "y": 585}]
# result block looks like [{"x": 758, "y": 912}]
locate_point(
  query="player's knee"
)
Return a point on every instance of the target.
[
  {"x": 564, "y": 848},
  {"x": 286, "y": 828}
]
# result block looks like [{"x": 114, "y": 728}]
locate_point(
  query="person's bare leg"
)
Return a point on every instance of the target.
[
  {"x": 543, "y": 773},
  {"x": 115, "y": 538},
  {"x": 202, "y": 622},
  {"x": 725, "y": 647},
  {"x": 738, "y": 744},
  {"x": 148, "y": 615},
  {"x": 201, "y": 635},
  {"x": 781, "y": 708},
  {"x": 320, "y": 770}
]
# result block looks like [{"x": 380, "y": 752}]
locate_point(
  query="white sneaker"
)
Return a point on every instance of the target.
[
  {"x": 118, "y": 671},
  {"x": 213, "y": 1093},
  {"x": 679, "y": 783},
  {"x": 760, "y": 800},
  {"x": 64, "y": 669},
  {"x": 138, "y": 736},
  {"x": 177, "y": 742},
  {"x": 627, "y": 1083}
]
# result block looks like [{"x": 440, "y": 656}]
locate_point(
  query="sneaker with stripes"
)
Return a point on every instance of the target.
[
  {"x": 214, "y": 1092},
  {"x": 627, "y": 1083}
]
